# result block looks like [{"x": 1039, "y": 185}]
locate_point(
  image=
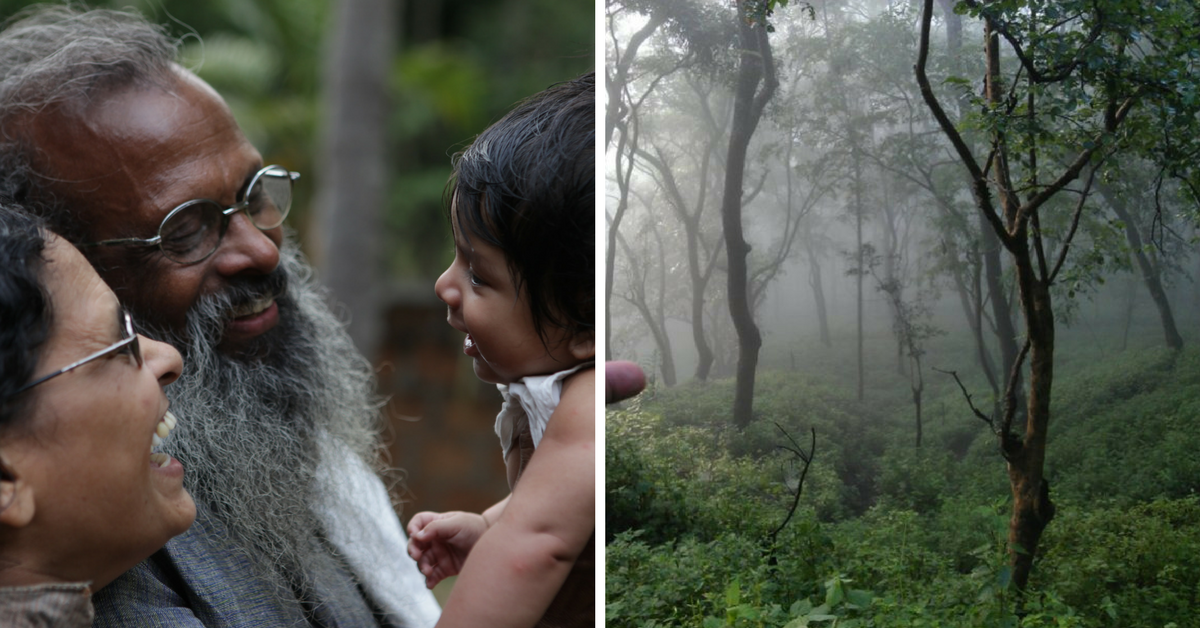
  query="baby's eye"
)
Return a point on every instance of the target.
[{"x": 473, "y": 278}]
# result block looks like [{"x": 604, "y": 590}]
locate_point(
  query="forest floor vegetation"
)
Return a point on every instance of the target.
[{"x": 890, "y": 535}]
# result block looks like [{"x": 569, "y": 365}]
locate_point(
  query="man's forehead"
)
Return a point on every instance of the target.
[{"x": 142, "y": 146}]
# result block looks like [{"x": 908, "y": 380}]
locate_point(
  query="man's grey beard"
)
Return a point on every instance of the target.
[{"x": 248, "y": 430}]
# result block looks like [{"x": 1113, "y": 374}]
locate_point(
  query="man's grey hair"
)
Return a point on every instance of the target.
[{"x": 55, "y": 55}]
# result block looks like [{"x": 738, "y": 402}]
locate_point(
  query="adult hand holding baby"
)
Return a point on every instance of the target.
[{"x": 622, "y": 380}]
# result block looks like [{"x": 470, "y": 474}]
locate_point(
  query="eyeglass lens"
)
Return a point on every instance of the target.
[
  {"x": 195, "y": 229},
  {"x": 134, "y": 345}
]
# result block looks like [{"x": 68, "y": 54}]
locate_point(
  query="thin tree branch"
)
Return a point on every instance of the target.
[{"x": 982, "y": 417}]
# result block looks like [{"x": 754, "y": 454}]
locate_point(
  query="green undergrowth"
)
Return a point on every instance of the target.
[{"x": 886, "y": 534}]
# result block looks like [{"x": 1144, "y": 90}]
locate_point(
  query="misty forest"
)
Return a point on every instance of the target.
[{"x": 915, "y": 287}]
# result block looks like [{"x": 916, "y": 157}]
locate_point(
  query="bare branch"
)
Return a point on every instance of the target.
[
  {"x": 807, "y": 459},
  {"x": 982, "y": 417},
  {"x": 1062, "y": 253},
  {"x": 979, "y": 186}
]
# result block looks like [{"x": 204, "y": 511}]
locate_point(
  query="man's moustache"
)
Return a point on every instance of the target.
[{"x": 252, "y": 295}]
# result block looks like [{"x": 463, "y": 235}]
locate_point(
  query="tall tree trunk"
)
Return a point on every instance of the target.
[
  {"x": 624, "y": 172},
  {"x": 862, "y": 263},
  {"x": 1032, "y": 509},
  {"x": 814, "y": 281},
  {"x": 1131, "y": 292},
  {"x": 652, "y": 315},
  {"x": 668, "y": 359},
  {"x": 353, "y": 187},
  {"x": 917, "y": 385},
  {"x": 1016, "y": 226},
  {"x": 987, "y": 253},
  {"x": 704, "y": 352},
  {"x": 1151, "y": 272},
  {"x": 970, "y": 298},
  {"x": 618, "y": 74},
  {"x": 1006, "y": 332},
  {"x": 755, "y": 66}
]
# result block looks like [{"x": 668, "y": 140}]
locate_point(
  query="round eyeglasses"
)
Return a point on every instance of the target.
[
  {"x": 128, "y": 339},
  {"x": 192, "y": 231}
]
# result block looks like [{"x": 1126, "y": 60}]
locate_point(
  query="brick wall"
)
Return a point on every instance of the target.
[{"x": 440, "y": 418}]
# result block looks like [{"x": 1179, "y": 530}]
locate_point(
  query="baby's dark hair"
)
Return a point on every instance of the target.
[{"x": 527, "y": 186}]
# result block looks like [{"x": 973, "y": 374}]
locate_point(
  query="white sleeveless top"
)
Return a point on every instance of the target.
[{"x": 536, "y": 397}]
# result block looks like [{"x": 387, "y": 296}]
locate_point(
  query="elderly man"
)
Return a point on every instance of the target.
[{"x": 140, "y": 163}]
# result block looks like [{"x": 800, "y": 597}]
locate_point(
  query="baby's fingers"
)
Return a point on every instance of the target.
[
  {"x": 420, "y": 520},
  {"x": 416, "y": 549}
]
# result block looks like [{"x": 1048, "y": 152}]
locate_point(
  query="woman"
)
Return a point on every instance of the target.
[{"x": 82, "y": 496}]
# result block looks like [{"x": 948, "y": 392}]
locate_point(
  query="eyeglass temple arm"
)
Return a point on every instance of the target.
[
  {"x": 148, "y": 242},
  {"x": 78, "y": 363}
]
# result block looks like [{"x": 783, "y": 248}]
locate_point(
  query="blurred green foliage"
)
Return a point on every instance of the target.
[
  {"x": 459, "y": 66},
  {"x": 889, "y": 535}
]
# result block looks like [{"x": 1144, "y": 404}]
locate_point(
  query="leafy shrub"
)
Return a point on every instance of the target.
[
  {"x": 1137, "y": 567},
  {"x": 918, "y": 536}
]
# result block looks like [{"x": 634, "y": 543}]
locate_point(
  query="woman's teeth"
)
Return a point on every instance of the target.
[
  {"x": 160, "y": 459},
  {"x": 164, "y": 427},
  {"x": 468, "y": 342},
  {"x": 253, "y": 307}
]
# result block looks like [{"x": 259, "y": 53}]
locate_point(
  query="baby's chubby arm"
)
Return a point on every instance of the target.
[
  {"x": 522, "y": 560},
  {"x": 440, "y": 541}
]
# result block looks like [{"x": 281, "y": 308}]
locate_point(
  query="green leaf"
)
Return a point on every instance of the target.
[
  {"x": 860, "y": 598},
  {"x": 802, "y": 607},
  {"x": 834, "y": 594},
  {"x": 733, "y": 593}
]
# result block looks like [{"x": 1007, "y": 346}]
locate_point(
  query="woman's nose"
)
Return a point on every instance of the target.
[{"x": 163, "y": 360}]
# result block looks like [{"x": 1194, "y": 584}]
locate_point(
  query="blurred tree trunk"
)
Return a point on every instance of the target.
[
  {"x": 755, "y": 68},
  {"x": 860, "y": 261},
  {"x": 352, "y": 193},
  {"x": 987, "y": 253},
  {"x": 814, "y": 281},
  {"x": 701, "y": 264},
  {"x": 617, "y": 72},
  {"x": 624, "y": 172},
  {"x": 653, "y": 314},
  {"x": 892, "y": 250},
  {"x": 1150, "y": 268}
]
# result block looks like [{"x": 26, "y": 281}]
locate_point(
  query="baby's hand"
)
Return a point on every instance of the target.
[{"x": 440, "y": 542}]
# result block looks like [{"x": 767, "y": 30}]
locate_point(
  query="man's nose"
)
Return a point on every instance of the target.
[{"x": 246, "y": 249}]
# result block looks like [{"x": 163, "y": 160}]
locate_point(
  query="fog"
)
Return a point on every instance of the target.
[{"x": 846, "y": 146}]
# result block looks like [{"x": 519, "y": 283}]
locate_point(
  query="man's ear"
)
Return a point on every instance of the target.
[
  {"x": 16, "y": 498},
  {"x": 583, "y": 346}
]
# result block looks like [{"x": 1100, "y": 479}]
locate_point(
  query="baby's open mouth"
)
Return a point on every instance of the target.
[{"x": 165, "y": 425}]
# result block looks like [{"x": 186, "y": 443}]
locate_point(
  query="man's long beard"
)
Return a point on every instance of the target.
[{"x": 248, "y": 430}]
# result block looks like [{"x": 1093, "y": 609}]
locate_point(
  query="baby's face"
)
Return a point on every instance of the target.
[{"x": 483, "y": 302}]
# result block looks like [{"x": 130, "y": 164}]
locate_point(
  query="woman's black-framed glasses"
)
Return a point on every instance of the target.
[
  {"x": 129, "y": 339},
  {"x": 192, "y": 231}
]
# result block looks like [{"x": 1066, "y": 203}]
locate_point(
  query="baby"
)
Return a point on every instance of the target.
[{"x": 522, "y": 289}]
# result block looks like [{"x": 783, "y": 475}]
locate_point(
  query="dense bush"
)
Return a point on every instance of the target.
[{"x": 888, "y": 535}]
